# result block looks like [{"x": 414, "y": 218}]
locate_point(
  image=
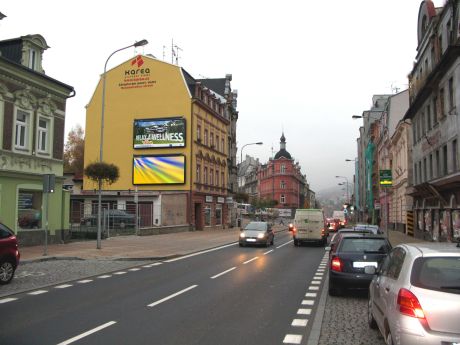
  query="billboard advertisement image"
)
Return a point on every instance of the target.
[
  {"x": 164, "y": 132},
  {"x": 159, "y": 169}
]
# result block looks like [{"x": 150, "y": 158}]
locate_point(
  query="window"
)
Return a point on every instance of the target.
[
  {"x": 430, "y": 169},
  {"x": 423, "y": 120},
  {"x": 217, "y": 178},
  {"x": 218, "y": 214},
  {"x": 33, "y": 59},
  {"x": 451, "y": 94},
  {"x": 444, "y": 160},
  {"x": 207, "y": 215},
  {"x": 212, "y": 140},
  {"x": 222, "y": 178},
  {"x": 420, "y": 172},
  {"x": 43, "y": 130},
  {"x": 424, "y": 170},
  {"x": 211, "y": 177},
  {"x": 435, "y": 110},
  {"x": 283, "y": 168},
  {"x": 29, "y": 209},
  {"x": 205, "y": 175},
  {"x": 438, "y": 164},
  {"x": 223, "y": 145},
  {"x": 22, "y": 129},
  {"x": 206, "y": 137},
  {"x": 283, "y": 199},
  {"x": 217, "y": 142},
  {"x": 282, "y": 185},
  {"x": 428, "y": 117},
  {"x": 198, "y": 133},
  {"x": 198, "y": 173},
  {"x": 415, "y": 174},
  {"x": 441, "y": 103},
  {"x": 393, "y": 263},
  {"x": 454, "y": 155}
]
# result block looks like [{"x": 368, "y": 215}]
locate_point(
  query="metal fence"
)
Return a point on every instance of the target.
[{"x": 115, "y": 219}]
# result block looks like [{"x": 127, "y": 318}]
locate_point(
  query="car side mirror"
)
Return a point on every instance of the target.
[{"x": 370, "y": 270}]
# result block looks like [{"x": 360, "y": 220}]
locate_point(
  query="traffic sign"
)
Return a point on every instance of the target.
[{"x": 386, "y": 178}]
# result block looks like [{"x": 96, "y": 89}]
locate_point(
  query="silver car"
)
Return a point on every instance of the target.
[
  {"x": 414, "y": 297},
  {"x": 257, "y": 233}
]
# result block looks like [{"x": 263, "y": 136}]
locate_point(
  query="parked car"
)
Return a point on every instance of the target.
[
  {"x": 374, "y": 228},
  {"x": 257, "y": 233},
  {"x": 9, "y": 254},
  {"x": 115, "y": 219},
  {"x": 354, "y": 252},
  {"x": 338, "y": 236},
  {"x": 414, "y": 297}
]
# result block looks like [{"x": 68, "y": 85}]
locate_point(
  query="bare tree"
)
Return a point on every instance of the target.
[{"x": 74, "y": 151}]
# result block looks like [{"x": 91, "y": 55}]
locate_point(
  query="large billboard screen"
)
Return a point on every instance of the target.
[
  {"x": 159, "y": 169},
  {"x": 164, "y": 132}
]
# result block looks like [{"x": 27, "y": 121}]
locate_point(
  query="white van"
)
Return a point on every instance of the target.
[{"x": 309, "y": 226}]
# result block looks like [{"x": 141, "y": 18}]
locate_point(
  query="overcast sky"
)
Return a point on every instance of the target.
[{"x": 302, "y": 66}]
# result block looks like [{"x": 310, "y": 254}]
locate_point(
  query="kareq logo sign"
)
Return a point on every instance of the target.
[{"x": 138, "y": 76}]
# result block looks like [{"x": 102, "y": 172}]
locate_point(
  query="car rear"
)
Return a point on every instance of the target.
[
  {"x": 309, "y": 226},
  {"x": 429, "y": 308},
  {"x": 353, "y": 254}
]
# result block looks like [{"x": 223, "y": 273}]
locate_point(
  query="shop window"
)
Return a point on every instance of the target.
[
  {"x": 456, "y": 225},
  {"x": 420, "y": 222},
  {"x": 444, "y": 225},
  {"x": 207, "y": 215},
  {"x": 428, "y": 221},
  {"x": 29, "y": 209},
  {"x": 218, "y": 214}
]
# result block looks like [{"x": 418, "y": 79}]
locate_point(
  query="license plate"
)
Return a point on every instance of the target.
[
  {"x": 359, "y": 264},
  {"x": 250, "y": 240}
]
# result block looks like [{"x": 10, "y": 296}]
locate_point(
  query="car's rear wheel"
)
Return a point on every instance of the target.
[
  {"x": 6, "y": 271},
  {"x": 370, "y": 317}
]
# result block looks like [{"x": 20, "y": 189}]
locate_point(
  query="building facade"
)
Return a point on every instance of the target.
[
  {"x": 32, "y": 118},
  {"x": 281, "y": 180},
  {"x": 169, "y": 135},
  {"x": 434, "y": 93}
]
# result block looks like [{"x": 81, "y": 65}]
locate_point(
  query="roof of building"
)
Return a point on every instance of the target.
[
  {"x": 282, "y": 153},
  {"x": 216, "y": 84}
]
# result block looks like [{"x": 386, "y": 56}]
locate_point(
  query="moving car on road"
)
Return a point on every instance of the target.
[
  {"x": 354, "y": 252},
  {"x": 414, "y": 297},
  {"x": 257, "y": 233},
  {"x": 309, "y": 226},
  {"x": 9, "y": 254}
]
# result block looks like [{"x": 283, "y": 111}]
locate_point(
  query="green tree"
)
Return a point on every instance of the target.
[
  {"x": 101, "y": 171},
  {"x": 74, "y": 151}
]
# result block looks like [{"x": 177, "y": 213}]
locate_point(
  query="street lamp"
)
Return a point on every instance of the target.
[
  {"x": 99, "y": 204},
  {"x": 242, "y": 147},
  {"x": 346, "y": 179}
]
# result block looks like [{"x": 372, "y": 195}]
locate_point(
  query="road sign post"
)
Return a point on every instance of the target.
[{"x": 49, "y": 182}]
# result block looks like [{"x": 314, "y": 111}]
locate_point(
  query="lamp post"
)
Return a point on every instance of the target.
[
  {"x": 242, "y": 147},
  {"x": 99, "y": 204},
  {"x": 346, "y": 179}
]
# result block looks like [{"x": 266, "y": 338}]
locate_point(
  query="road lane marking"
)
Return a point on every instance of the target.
[
  {"x": 104, "y": 276},
  {"x": 6, "y": 300},
  {"x": 246, "y": 262},
  {"x": 284, "y": 244},
  {"x": 38, "y": 292},
  {"x": 308, "y": 302},
  {"x": 222, "y": 273},
  {"x": 86, "y": 281},
  {"x": 292, "y": 339},
  {"x": 91, "y": 331},
  {"x": 63, "y": 286},
  {"x": 171, "y": 296},
  {"x": 302, "y": 311},
  {"x": 316, "y": 282},
  {"x": 119, "y": 273},
  {"x": 299, "y": 322},
  {"x": 313, "y": 288},
  {"x": 320, "y": 270},
  {"x": 134, "y": 269},
  {"x": 268, "y": 252},
  {"x": 311, "y": 294},
  {"x": 319, "y": 273},
  {"x": 202, "y": 252}
]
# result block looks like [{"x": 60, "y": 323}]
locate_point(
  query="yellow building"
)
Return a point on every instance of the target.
[{"x": 167, "y": 133}]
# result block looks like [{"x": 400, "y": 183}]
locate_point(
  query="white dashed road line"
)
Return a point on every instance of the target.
[
  {"x": 270, "y": 251},
  {"x": 246, "y": 262},
  {"x": 292, "y": 339},
  {"x": 63, "y": 286},
  {"x": 86, "y": 281},
  {"x": 171, "y": 296},
  {"x": 284, "y": 244},
  {"x": 303, "y": 311},
  {"x": 299, "y": 322},
  {"x": 38, "y": 292},
  {"x": 94, "y": 330},
  {"x": 105, "y": 276},
  {"x": 6, "y": 300},
  {"x": 203, "y": 252},
  {"x": 222, "y": 273}
]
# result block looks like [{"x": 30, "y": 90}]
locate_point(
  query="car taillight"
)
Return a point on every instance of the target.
[
  {"x": 336, "y": 264},
  {"x": 409, "y": 304},
  {"x": 322, "y": 232}
]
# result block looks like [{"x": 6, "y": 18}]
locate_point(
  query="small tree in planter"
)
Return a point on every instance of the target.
[{"x": 102, "y": 172}]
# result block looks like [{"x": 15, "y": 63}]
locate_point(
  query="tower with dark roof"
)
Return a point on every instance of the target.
[{"x": 282, "y": 152}]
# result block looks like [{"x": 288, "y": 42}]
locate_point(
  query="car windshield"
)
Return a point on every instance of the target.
[
  {"x": 259, "y": 226},
  {"x": 437, "y": 273},
  {"x": 362, "y": 245}
]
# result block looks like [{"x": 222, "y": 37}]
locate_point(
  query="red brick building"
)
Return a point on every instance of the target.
[{"x": 281, "y": 180}]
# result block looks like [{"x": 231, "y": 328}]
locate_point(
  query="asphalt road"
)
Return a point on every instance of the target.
[{"x": 230, "y": 295}]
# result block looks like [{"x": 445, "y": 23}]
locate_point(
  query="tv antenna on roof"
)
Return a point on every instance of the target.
[{"x": 175, "y": 52}]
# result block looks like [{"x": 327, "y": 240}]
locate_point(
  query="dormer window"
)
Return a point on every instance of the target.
[{"x": 33, "y": 58}]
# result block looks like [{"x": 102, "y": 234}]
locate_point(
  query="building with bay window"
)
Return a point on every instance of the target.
[{"x": 32, "y": 118}]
